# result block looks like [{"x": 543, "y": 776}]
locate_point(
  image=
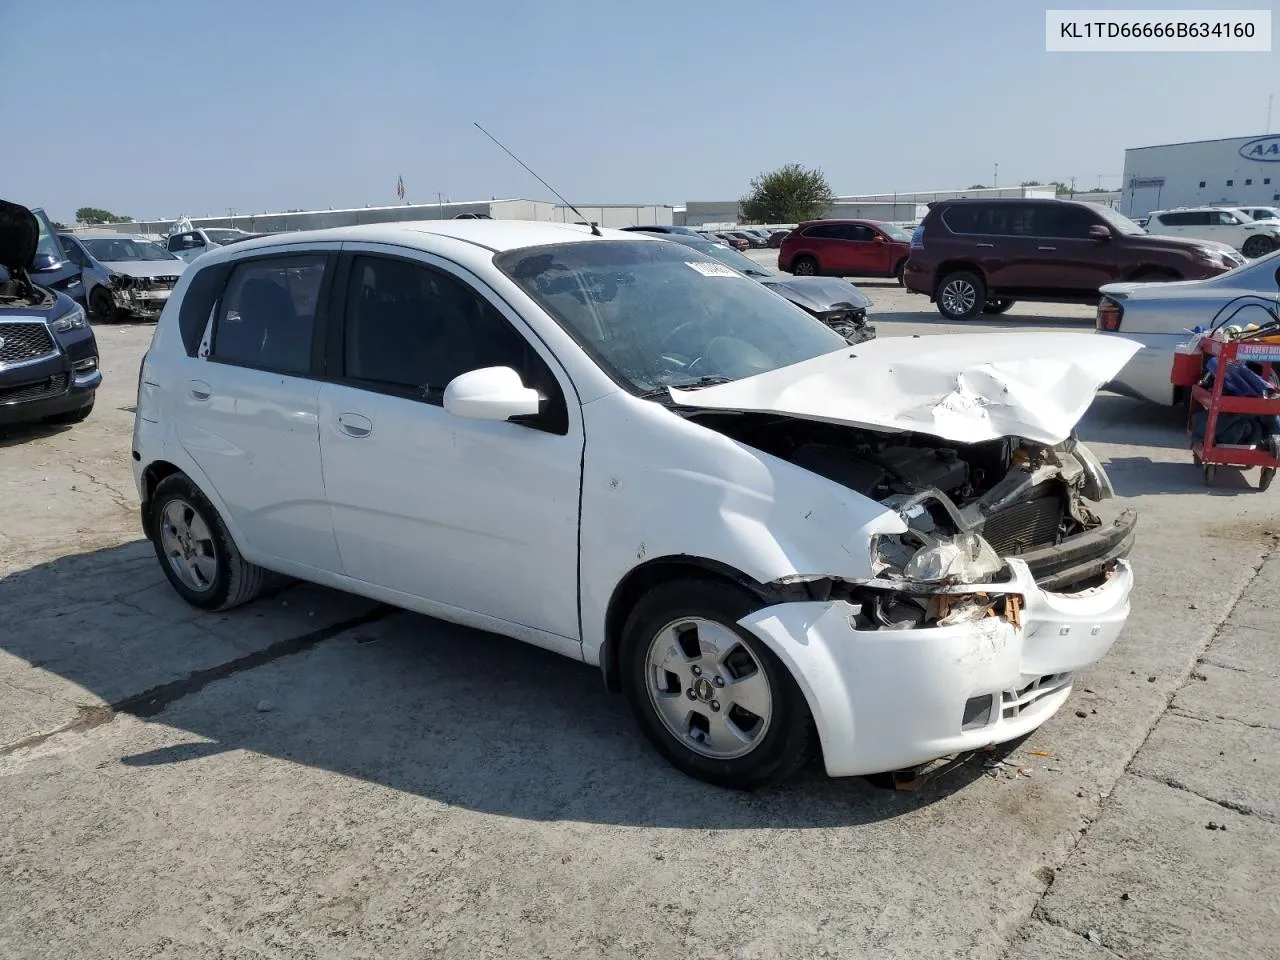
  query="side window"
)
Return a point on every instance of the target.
[
  {"x": 411, "y": 329},
  {"x": 175, "y": 243},
  {"x": 824, "y": 231},
  {"x": 267, "y": 316},
  {"x": 860, "y": 232},
  {"x": 73, "y": 251},
  {"x": 1227, "y": 219},
  {"x": 1063, "y": 222},
  {"x": 1201, "y": 218},
  {"x": 962, "y": 219}
]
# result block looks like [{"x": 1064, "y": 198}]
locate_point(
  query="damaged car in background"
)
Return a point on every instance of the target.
[
  {"x": 767, "y": 538},
  {"x": 126, "y": 277}
]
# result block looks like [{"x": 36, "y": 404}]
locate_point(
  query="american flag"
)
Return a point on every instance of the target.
[{"x": 400, "y": 187}]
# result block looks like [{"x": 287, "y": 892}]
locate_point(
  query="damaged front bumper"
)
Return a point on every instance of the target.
[{"x": 889, "y": 699}]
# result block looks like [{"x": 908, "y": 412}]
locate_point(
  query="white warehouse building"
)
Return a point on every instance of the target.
[{"x": 1241, "y": 171}]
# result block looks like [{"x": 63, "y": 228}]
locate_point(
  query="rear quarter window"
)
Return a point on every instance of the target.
[{"x": 197, "y": 304}]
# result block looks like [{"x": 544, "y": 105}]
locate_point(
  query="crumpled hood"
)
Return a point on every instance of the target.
[
  {"x": 965, "y": 388},
  {"x": 146, "y": 268},
  {"x": 818, "y": 294}
]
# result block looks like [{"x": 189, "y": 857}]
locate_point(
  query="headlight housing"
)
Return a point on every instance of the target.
[
  {"x": 74, "y": 319},
  {"x": 964, "y": 558}
]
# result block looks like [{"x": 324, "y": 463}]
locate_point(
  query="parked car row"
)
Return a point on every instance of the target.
[{"x": 1254, "y": 232}]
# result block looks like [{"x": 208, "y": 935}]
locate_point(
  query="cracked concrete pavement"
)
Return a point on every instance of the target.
[{"x": 315, "y": 775}]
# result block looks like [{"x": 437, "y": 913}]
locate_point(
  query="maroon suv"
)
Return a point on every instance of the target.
[
  {"x": 845, "y": 248},
  {"x": 981, "y": 256}
]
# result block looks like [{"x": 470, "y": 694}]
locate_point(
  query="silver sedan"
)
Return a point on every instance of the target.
[{"x": 1162, "y": 315}]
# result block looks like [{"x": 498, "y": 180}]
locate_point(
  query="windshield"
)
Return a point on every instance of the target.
[
  {"x": 223, "y": 236},
  {"x": 111, "y": 250},
  {"x": 656, "y": 314},
  {"x": 894, "y": 233},
  {"x": 1120, "y": 224}
]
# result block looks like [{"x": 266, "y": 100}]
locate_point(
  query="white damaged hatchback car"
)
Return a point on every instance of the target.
[{"x": 624, "y": 451}]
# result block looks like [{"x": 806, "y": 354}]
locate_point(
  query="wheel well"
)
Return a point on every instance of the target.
[
  {"x": 901, "y": 262},
  {"x": 1148, "y": 269},
  {"x": 956, "y": 266},
  {"x": 151, "y": 477},
  {"x": 643, "y": 579}
]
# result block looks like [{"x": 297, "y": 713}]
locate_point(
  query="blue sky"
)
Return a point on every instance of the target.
[{"x": 157, "y": 109}]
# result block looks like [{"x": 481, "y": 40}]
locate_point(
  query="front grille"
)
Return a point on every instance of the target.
[
  {"x": 1024, "y": 525},
  {"x": 24, "y": 341},
  {"x": 35, "y": 389},
  {"x": 1014, "y": 703}
]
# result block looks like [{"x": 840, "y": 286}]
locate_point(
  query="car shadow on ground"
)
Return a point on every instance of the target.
[
  {"x": 1112, "y": 418},
  {"x": 465, "y": 717},
  {"x": 18, "y": 433}
]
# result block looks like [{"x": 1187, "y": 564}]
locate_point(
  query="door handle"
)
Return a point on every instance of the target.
[
  {"x": 1046, "y": 248},
  {"x": 199, "y": 390},
  {"x": 354, "y": 425},
  {"x": 985, "y": 244}
]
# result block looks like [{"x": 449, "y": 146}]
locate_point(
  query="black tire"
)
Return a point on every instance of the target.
[
  {"x": 961, "y": 296},
  {"x": 999, "y": 305},
  {"x": 72, "y": 416},
  {"x": 784, "y": 743},
  {"x": 899, "y": 273},
  {"x": 235, "y": 581},
  {"x": 102, "y": 306},
  {"x": 1256, "y": 247},
  {"x": 1268, "y": 474},
  {"x": 804, "y": 267},
  {"x": 1210, "y": 472}
]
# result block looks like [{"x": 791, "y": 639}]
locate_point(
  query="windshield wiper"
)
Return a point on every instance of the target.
[{"x": 660, "y": 392}]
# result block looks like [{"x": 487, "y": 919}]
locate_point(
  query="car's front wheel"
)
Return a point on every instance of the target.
[
  {"x": 713, "y": 699},
  {"x": 195, "y": 550},
  {"x": 961, "y": 296},
  {"x": 102, "y": 305},
  {"x": 804, "y": 267},
  {"x": 1256, "y": 247}
]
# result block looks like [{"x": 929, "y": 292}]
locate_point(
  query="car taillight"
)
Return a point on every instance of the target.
[{"x": 1109, "y": 315}]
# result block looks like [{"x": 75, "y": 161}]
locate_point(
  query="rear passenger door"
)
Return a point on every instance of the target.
[
  {"x": 247, "y": 406},
  {"x": 468, "y": 515}
]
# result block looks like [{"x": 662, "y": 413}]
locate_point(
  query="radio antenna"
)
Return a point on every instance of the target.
[{"x": 595, "y": 230}]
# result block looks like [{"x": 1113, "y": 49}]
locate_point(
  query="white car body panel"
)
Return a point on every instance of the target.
[
  {"x": 1234, "y": 234},
  {"x": 530, "y": 534},
  {"x": 961, "y": 388}
]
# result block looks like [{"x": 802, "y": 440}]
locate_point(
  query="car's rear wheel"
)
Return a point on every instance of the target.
[
  {"x": 899, "y": 272},
  {"x": 999, "y": 305},
  {"x": 102, "y": 305},
  {"x": 711, "y": 698},
  {"x": 1258, "y": 247},
  {"x": 961, "y": 296},
  {"x": 804, "y": 267},
  {"x": 195, "y": 550}
]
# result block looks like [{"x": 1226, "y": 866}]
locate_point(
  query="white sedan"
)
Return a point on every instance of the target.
[
  {"x": 1162, "y": 315},
  {"x": 626, "y": 452}
]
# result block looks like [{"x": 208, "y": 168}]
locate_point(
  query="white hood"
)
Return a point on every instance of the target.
[
  {"x": 147, "y": 268},
  {"x": 965, "y": 388}
]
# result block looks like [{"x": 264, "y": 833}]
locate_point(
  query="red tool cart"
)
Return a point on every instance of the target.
[{"x": 1188, "y": 371}]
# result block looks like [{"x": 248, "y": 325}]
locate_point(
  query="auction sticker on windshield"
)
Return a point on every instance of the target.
[{"x": 712, "y": 269}]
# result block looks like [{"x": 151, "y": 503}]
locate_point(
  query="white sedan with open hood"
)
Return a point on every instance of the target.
[{"x": 631, "y": 454}]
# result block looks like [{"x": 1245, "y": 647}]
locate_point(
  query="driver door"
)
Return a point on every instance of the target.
[{"x": 471, "y": 515}]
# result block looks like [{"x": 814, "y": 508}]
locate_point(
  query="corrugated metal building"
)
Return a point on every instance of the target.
[{"x": 1232, "y": 172}]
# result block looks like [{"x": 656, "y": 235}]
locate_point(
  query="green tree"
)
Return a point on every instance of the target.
[
  {"x": 976, "y": 186},
  {"x": 98, "y": 215},
  {"x": 787, "y": 195},
  {"x": 1031, "y": 183}
]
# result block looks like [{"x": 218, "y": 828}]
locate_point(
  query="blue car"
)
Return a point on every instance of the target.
[{"x": 48, "y": 353}]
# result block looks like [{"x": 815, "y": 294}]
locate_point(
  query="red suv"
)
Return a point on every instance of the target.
[
  {"x": 845, "y": 248},
  {"x": 981, "y": 256}
]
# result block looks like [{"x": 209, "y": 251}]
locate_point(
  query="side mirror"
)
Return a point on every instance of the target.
[
  {"x": 1099, "y": 232},
  {"x": 44, "y": 261},
  {"x": 490, "y": 393}
]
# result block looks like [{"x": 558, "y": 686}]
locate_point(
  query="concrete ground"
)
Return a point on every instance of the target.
[{"x": 316, "y": 776}]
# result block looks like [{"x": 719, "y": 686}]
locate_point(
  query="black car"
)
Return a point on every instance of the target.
[
  {"x": 836, "y": 302},
  {"x": 48, "y": 353}
]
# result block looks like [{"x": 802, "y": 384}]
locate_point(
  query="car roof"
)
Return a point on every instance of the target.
[
  {"x": 496, "y": 236},
  {"x": 1200, "y": 209}
]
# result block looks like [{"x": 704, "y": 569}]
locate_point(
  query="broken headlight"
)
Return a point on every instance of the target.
[{"x": 963, "y": 558}]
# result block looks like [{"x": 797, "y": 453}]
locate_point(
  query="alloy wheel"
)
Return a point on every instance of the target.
[
  {"x": 958, "y": 297},
  {"x": 188, "y": 545},
  {"x": 708, "y": 689}
]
